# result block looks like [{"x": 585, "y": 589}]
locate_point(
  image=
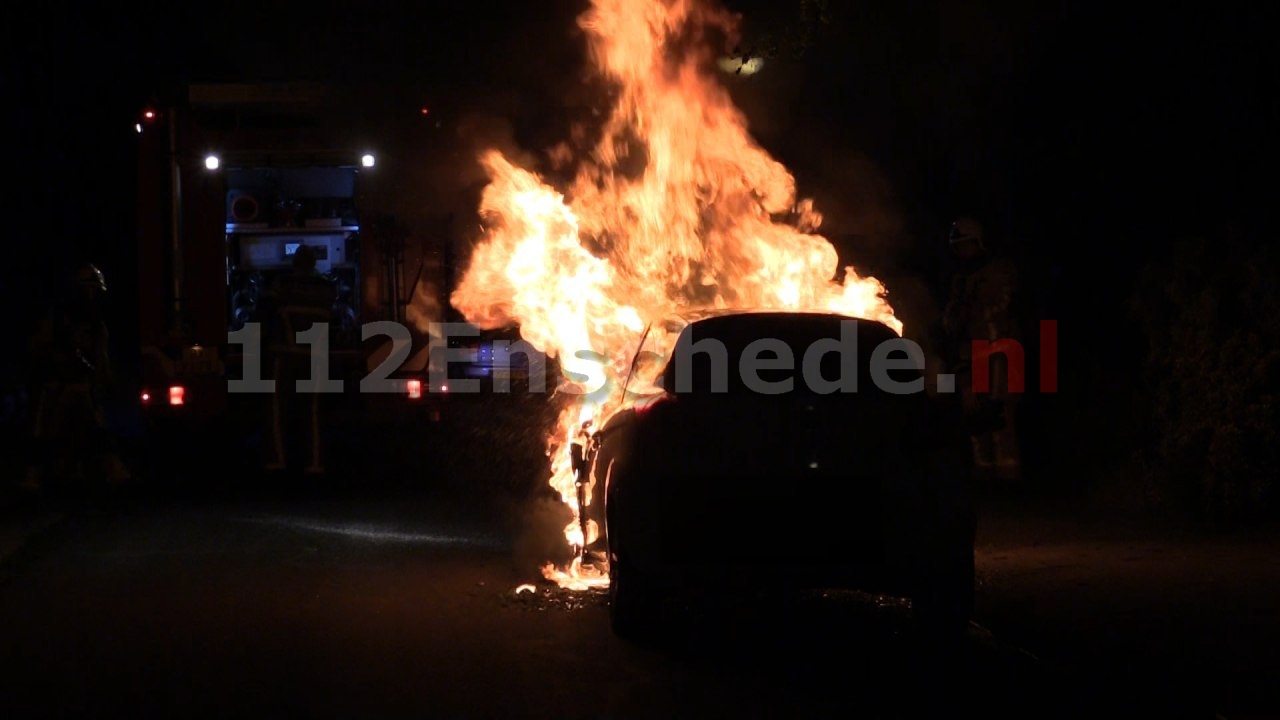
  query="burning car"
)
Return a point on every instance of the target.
[{"x": 787, "y": 450}]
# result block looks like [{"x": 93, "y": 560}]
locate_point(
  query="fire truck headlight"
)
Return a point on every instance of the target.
[
  {"x": 212, "y": 162},
  {"x": 366, "y": 160}
]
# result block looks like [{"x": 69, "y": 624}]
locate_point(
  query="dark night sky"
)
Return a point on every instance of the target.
[{"x": 1092, "y": 136}]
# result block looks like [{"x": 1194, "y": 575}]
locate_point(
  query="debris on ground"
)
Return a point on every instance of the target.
[{"x": 551, "y": 597}]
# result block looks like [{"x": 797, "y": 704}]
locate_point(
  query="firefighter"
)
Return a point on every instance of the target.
[
  {"x": 71, "y": 364},
  {"x": 295, "y": 303},
  {"x": 981, "y": 307}
]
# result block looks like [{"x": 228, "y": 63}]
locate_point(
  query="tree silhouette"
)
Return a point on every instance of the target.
[{"x": 790, "y": 38}]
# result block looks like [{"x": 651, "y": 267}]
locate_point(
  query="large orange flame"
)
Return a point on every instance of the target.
[{"x": 676, "y": 208}]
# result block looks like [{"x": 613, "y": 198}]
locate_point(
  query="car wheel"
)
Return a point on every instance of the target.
[{"x": 632, "y": 605}]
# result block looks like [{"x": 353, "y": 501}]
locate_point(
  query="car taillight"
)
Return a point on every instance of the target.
[
  {"x": 415, "y": 389},
  {"x": 146, "y": 397},
  {"x": 177, "y": 395}
]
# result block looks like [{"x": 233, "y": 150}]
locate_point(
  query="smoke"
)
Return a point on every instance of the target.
[
  {"x": 862, "y": 210},
  {"x": 861, "y": 206},
  {"x": 539, "y": 535},
  {"x": 436, "y": 196},
  {"x": 478, "y": 131},
  {"x": 833, "y": 155},
  {"x": 452, "y": 177},
  {"x": 534, "y": 514},
  {"x": 856, "y": 199}
]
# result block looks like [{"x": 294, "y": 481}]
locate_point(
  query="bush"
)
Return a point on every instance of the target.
[{"x": 1210, "y": 316}]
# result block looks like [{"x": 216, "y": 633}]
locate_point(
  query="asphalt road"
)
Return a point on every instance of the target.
[
  {"x": 324, "y": 605},
  {"x": 346, "y": 607}
]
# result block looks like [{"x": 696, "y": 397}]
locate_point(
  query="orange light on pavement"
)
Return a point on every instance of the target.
[{"x": 177, "y": 395}]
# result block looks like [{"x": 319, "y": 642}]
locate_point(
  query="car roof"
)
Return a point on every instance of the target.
[{"x": 692, "y": 317}]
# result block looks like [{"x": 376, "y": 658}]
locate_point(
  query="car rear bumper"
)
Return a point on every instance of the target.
[
  {"x": 875, "y": 534},
  {"x": 709, "y": 577},
  {"x": 814, "y": 553}
]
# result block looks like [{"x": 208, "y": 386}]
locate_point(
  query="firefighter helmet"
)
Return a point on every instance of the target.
[
  {"x": 304, "y": 259},
  {"x": 90, "y": 277}
]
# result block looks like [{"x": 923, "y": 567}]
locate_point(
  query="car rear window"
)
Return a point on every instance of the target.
[{"x": 709, "y": 356}]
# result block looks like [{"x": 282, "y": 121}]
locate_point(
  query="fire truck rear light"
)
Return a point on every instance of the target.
[
  {"x": 177, "y": 395},
  {"x": 415, "y": 389}
]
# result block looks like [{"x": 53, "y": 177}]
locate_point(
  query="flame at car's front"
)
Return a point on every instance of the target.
[{"x": 675, "y": 208}]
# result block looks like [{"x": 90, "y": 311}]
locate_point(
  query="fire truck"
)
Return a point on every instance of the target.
[{"x": 232, "y": 181}]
